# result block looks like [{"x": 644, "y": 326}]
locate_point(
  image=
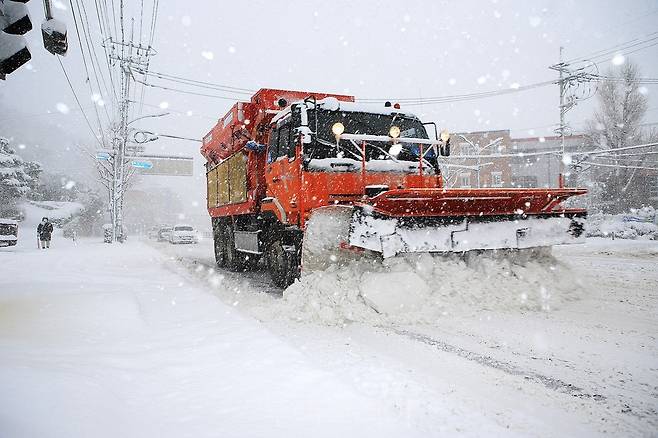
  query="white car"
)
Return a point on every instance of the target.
[
  {"x": 183, "y": 234},
  {"x": 8, "y": 232}
]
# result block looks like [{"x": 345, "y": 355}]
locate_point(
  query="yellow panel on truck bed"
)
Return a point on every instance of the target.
[
  {"x": 222, "y": 183},
  {"x": 237, "y": 178},
  {"x": 212, "y": 188},
  {"x": 227, "y": 182}
]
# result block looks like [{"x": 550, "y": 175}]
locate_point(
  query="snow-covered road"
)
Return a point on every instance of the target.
[{"x": 149, "y": 340}]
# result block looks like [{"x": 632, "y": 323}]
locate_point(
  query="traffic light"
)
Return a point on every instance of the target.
[
  {"x": 53, "y": 32},
  {"x": 14, "y": 22}
]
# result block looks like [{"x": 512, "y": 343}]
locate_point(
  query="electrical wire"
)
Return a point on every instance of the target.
[
  {"x": 617, "y": 166},
  {"x": 91, "y": 52},
  {"x": 210, "y": 85},
  {"x": 178, "y": 90},
  {"x": 607, "y": 151},
  {"x": 78, "y": 102},
  {"x": 614, "y": 49}
]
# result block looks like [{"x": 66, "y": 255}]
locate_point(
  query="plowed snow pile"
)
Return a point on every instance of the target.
[{"x": 425, "y": 287}]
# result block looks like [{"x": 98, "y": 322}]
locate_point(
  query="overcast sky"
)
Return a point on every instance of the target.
[{"x": 371, "y": 49}]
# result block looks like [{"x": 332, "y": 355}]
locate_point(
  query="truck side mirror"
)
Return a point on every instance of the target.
[{"x": 445, "y": 149}]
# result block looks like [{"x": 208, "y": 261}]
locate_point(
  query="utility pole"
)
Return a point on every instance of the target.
[
  {"x": 569, "y": 79},
  {"x": 562, "y": 124},
  {"x": 127, "y": 55},
  {"x": 564, "y": 75}
]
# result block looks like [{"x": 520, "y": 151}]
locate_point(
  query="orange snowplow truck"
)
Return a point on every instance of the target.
[{"x": 308, "y": 180}]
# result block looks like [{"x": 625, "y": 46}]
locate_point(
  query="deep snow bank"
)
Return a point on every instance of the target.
[
  {"x": 637, "y": 224},
  {"x": 53, "y": 210},
  {"x": 425, "y": 287}
]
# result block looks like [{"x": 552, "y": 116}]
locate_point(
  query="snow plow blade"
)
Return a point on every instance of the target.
[
  {"x": 391, "y": 236},
  {"x": 337, "y": 235}
]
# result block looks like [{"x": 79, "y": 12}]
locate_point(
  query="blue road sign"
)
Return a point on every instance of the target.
[
  {"x": 141, "y": 164},
  {"x": 104, "y": 156}
]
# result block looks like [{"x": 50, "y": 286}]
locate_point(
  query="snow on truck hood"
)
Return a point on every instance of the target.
[{"x": 333, "y": 104}]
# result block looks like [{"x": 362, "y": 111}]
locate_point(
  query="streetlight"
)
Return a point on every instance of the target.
[{"x": 146, "y": 117}]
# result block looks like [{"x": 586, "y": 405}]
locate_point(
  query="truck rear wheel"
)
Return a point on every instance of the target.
[
  {"x": 283, "y": 263},
  {"x": 219, "y": 243},
  {"x": 220, "y": 250},
  {"x": 234, "y": 259}
]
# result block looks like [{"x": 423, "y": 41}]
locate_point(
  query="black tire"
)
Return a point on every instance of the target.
[
  {"x": 220, "y": 244},
  {"x": 282, "y": 264},
  {"x": 251, "y": 261},
  {"x": 234, "y": 259}
]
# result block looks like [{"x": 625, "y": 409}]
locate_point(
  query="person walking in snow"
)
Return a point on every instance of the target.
[{"x": 45, "y": 232}]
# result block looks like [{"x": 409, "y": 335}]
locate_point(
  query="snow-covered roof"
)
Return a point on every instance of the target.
[
  {"x": 53, "y": 25},
  {"x": 333, "y": 104},
  {"x": 8, "y": 221}
]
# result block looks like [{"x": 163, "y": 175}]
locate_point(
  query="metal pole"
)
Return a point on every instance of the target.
[
  {"x": 562, "y": 127},
  {"x": 479, "y": 162},
  {"x": 121, "y": 177},
  {"x": 47, "y": 9}
]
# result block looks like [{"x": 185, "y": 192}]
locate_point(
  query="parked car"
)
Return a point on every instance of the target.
[
  {"x": 164, "y": 233},
  {"x": 182, "y": 233},
  {"x": 8, "y": 232},
  {"x": 153, "y": 233}
]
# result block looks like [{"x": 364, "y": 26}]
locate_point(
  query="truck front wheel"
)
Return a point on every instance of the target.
[{"x": 283, "y": 263}]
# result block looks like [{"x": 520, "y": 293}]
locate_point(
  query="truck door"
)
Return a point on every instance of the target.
[{"x": 282, "y": 171}]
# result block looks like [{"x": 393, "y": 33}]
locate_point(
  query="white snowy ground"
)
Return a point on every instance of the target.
[{"x": 147, "y": 339}]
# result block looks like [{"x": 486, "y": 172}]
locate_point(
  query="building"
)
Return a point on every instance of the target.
[
  {"x": 542, "y": 170},
  {"x": 479, "y": 166}
]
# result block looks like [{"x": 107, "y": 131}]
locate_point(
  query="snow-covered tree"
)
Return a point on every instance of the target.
[
  {"x": 616, "y": 124},
  {"x": 34, "y": 170},
  {"x": 14, "y": 181}
]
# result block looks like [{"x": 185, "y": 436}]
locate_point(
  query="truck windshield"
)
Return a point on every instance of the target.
[{"x": 363, "y": 123}]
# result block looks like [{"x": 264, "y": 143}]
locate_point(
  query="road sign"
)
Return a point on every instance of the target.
[
  {"x": 134, "y": 149},
  {"x": 103, "y": 156},
  {"x": 166, "y": 165},
  {"x": 141, "y": 164}
]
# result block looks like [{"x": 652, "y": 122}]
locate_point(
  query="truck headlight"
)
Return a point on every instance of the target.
[
  {"x": 338, "y": 128},
  {"x": 394, "y": 132}
]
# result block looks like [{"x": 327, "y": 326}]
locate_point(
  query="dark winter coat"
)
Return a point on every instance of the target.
[{"x": 45, "y": 231}]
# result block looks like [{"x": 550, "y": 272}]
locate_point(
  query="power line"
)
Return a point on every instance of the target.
[
  {"x": 92, "y": 52},
  {"x": 607, "y": 151},
  {"x": 459, "y": 97},
  {"x": 150, "y": 105},
  {"x": 202, "y": 84},
  {"x": 88, "y": 80},
  {"x": 78, "y": 102},
  {"x": 178, "y": 90},
  {"x": 617, "y": 166},
  {"x": 615, "y": 48}
]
